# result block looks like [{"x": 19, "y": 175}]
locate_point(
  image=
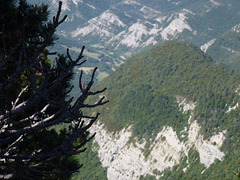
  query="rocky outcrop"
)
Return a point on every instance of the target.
[{"x": 126, "y": 160}]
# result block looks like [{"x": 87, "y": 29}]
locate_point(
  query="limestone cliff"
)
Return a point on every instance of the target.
[{"x": 126, "y": 160}]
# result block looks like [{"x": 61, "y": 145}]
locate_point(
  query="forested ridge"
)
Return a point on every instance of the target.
[
  {"x": 152, "y": 80},
  {"x": 143, "y": 92}
]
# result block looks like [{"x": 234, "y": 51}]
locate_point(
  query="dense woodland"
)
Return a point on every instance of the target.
[{"x": 143, "y": 91}]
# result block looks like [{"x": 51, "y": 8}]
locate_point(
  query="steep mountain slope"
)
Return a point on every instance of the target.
[
  {"x": 114, "y": 30},
  {"x": 227, "y": 47},
  {"x": 173, "y": 113}
]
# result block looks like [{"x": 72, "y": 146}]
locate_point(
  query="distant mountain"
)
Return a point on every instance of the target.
[
  {"x": 226, "y": 47},
  {"x": 114, "y": 30},
  {"x": 173, "y": 113},
  {"x": 174, "y": 109}
]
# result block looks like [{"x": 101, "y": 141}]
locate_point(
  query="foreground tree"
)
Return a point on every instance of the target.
[{"x": 33, "y": 95}]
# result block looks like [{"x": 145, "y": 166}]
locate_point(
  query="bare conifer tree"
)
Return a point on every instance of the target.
[{"x": 33, "y": 97}]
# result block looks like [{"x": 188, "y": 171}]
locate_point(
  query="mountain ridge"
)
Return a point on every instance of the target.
[
  {"x": 173, "y": 112},
  {"x": 170, "y": 69},
  {"x": 143, "y": 24}
]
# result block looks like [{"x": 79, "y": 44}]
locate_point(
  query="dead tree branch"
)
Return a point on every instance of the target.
[{"x": 39, "y": 105}]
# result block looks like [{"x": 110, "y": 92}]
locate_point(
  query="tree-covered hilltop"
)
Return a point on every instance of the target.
[{"x": 143, "y": 92}]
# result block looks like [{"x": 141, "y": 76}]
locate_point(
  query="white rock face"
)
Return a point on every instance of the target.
[
  {"x": 131, "y": 2},
  {"x": 126, "y": 161},
  {"x": 100, "y": 25},
  {"x": 167, "y": 150},
  {"x": 238, "y": 90},
  {"x": 177, "y": 25},
  {"x": 138, "y": 34},
  {"x": 184, "y": 104},
  {"x": 149, "y": 12},
  {"x": 143, "y": 32},
  {"x": 205, "y": 47},
  {"x": 215, "y": 2},
  {"x": 134, "y": 35},
  {"x": 232, "y": 108},
  {"x": 208, "y": 150},
  {"x": 236, "y": 28},
  {"x": 110, "y": 144},
  {"x": 65, "y": 4}
]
